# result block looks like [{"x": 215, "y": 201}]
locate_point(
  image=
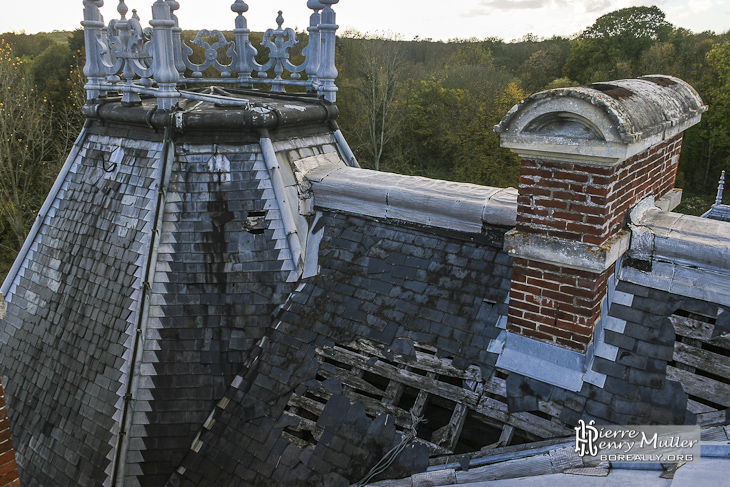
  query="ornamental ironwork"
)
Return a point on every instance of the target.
[{"x": 123, "y": 56}]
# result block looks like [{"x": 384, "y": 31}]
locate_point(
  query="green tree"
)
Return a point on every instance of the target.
[
  {"x": 481, "y": 159},
  {"x": 437, "y": 116},
  {"x": 378, "y": 97},
  {"x": 26, "y": 155},
  {"x": 613, "y": 45}
]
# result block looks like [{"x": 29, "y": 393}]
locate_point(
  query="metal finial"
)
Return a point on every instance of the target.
[
  {"x": 280, "y": 19},
  {"x": 239, "y": 7},
  {"x": 315, "y": 5},
  {"x": 720, "y": 188},
  {"x": 122, "y": 9}
]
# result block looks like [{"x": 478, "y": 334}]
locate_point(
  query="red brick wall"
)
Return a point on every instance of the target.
[
  {"x": 555, "y": 304},
  {"x": 8, "y": 467},
  {"x": 582, "y": 203},
  {"x": 589, "y": 203}
]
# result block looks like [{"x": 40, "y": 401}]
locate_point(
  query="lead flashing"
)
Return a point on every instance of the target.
[
  {"x": 682, "y": 254},
  {"x": 543, "y": 361},
  {"x": 567, "y": 253},
  {"x": 443, "y": 204}
]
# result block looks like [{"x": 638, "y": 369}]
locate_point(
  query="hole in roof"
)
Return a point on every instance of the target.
[
  {"x": 615, "y": 92},
  {"x": 659, "y": 80}
]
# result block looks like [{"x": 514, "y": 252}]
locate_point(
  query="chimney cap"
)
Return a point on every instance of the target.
[{"x": 602, "y": 120}]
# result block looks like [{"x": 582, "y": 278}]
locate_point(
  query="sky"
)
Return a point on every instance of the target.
[{"x": 506, "y": 19}]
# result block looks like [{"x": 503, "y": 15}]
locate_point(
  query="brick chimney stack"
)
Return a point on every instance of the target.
[
  {"x": 589, "y": 154},
  {"x": 8, "y": 467}
]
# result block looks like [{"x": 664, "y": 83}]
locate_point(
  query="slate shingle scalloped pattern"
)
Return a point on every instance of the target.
[
  {"x": 72, "y": 311},
  {"x": 215, "y": 288},
  {"x": 380, "y": 281}
]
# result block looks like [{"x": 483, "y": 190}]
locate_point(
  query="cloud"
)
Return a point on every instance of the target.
[
  {"x": 485, "y": 6},
  {"x": 517, "y": 4},
  {"x": 596, "y": 5}
]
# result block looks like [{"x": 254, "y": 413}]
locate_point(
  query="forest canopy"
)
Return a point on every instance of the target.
[{"x": 419, "y": 107}]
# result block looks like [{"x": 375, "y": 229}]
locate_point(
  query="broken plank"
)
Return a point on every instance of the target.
[
  {"x": 687, "y": 327},
  {"x": 406, "y": 377},
  {"x": 523, "y": 467},
  {"x": 508, "y": 432},
  {"x": 296, "y": 441},
  {"x": 702, "y": 387},
  {"x": 524, "y": 421},
  {"x": 310, "y": 405},
  {"x": 448, "y": 436},
  {"x": 351, "y": 381},
  {"x": 712, "y": 418},
  {"x": 423, "y": 361},
  {"x": 496, "y": 455},
  {"x": 698, "y": 358},
  {"x": 698, "y": 408}
]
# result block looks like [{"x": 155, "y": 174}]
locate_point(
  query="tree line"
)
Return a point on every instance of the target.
[
  {"x": 419, "y": 107},
  {"x": 428, "y": 108}
]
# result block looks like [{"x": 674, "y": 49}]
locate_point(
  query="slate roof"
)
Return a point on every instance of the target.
[
  {"x": 168, "y": 296},
  {"x": 72, "y": 310}
]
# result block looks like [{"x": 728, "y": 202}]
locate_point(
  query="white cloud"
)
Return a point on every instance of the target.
[
  {"x": 485, "y": 6},
  {"x": 518, "y": 4},
  {"x": 597, "y": 5}
]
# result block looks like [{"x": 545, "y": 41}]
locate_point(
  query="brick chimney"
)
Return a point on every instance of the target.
[
  {"x": 8, "y": 467},
  {"x": 589, "y": 154}
]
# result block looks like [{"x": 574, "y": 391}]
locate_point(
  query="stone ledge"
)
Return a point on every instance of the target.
[
  {"x": 567, "y": 253},
  {"x": 443, "y": 204},
  {"x": 681, "y": 254}
]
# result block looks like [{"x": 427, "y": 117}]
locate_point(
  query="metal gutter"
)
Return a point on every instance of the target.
[
  {"x": 287, "y": 216},
  {"x": 343, "y": 146},
  {"x": 255, "y": 115},
  {"x": 130, "y": 397}
]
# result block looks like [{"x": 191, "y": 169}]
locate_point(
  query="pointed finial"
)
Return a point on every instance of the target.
[
  {"x": 134, "y": 14},
  {"x": 122, "y": 9},
  {"x": 315, "y": 5},
  {"x": 280, "y": 19},
  {"x": 239, "y": 7},
  {"x": 720, "y": 188}
]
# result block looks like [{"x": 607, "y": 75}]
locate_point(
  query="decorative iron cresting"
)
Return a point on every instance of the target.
[{"x": 125, "y": 57}]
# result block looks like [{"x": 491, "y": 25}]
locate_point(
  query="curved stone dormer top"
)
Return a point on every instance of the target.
[{"x": 601, "y": 122}]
